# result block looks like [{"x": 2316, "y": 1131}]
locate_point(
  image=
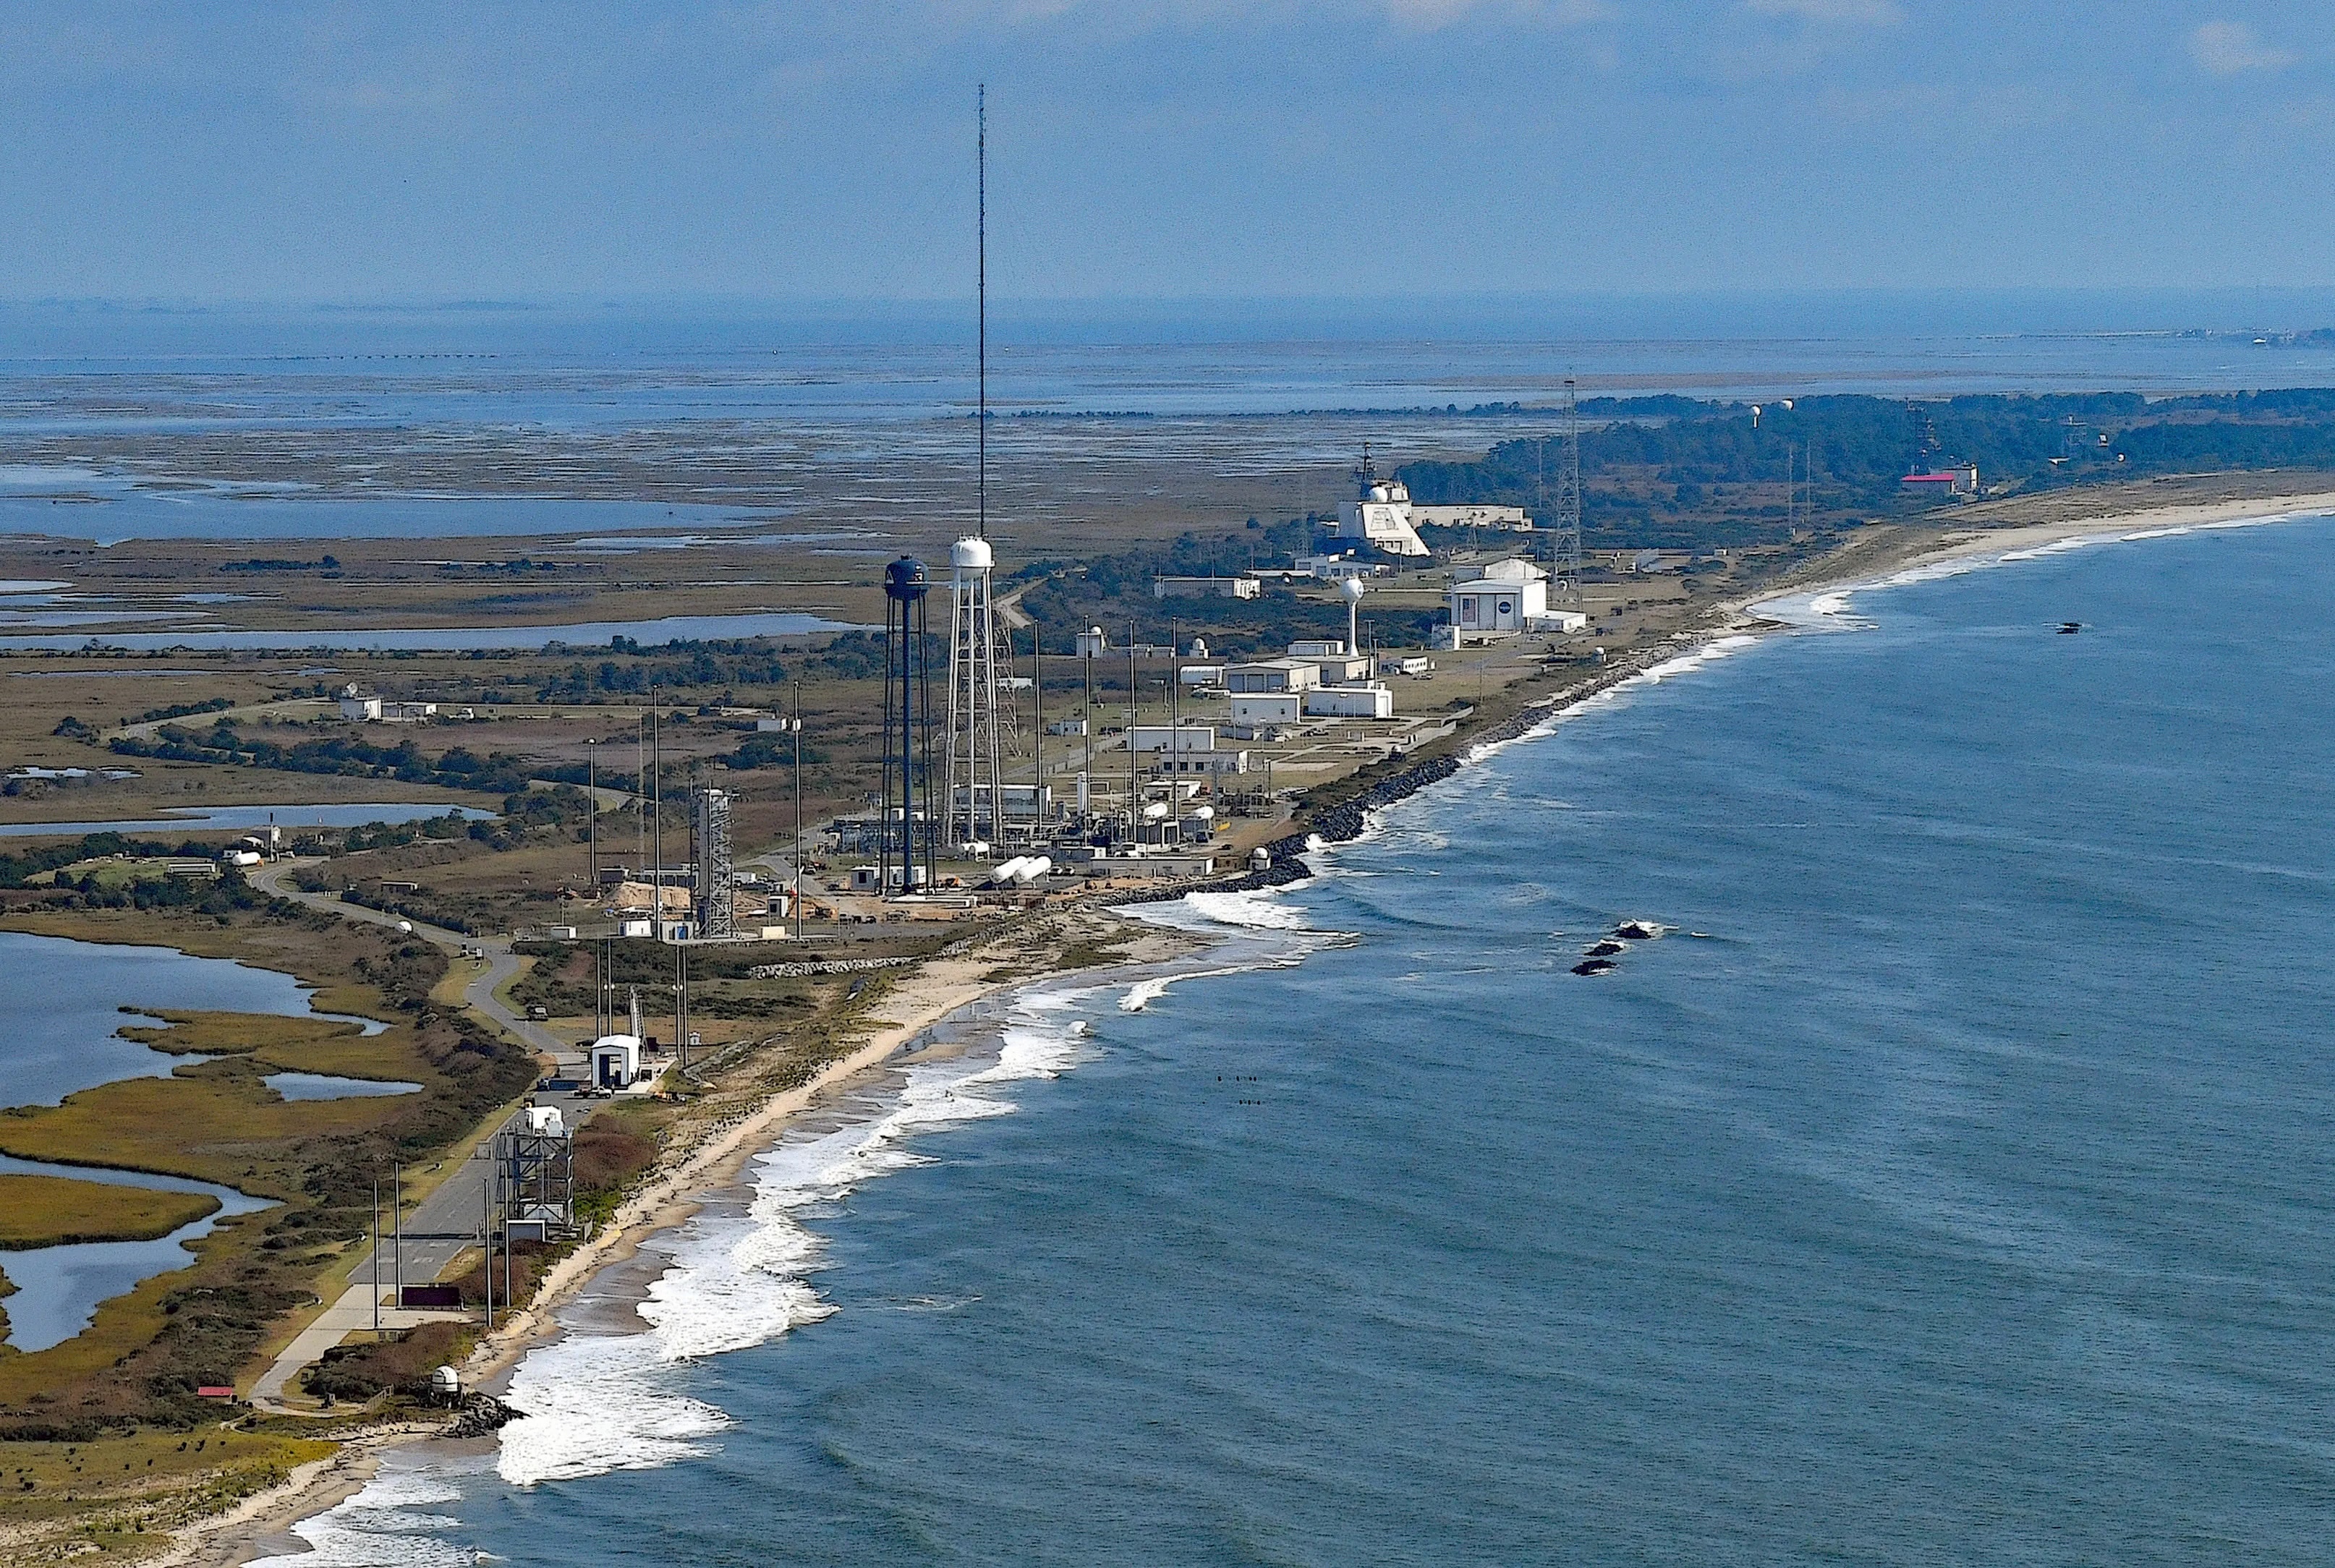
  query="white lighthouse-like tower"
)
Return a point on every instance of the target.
[{"x": 972, "y": 797}]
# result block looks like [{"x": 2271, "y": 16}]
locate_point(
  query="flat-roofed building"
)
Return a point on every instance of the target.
[
  {"x": 1208, "y": 588},
  {"x": 1504, "y": 519},
  {"x": 1253, "y": 710},
  {"x": 1371, "y": 701},
  {"x": 1272, "y": 675}
]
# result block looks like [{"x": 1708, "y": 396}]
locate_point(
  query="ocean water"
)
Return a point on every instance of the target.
[{"x": 1948, "y": 1184}]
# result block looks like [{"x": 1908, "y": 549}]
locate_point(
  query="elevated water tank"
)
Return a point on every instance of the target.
[{"x": 972, "y": 555}]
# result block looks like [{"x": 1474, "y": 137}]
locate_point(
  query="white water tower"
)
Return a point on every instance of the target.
[{"x": 1350, "y": 590}]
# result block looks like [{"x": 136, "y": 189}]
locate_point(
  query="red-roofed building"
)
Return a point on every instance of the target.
[{"x": 1962, "y": 480}]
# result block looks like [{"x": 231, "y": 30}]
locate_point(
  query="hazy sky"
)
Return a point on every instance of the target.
[{"x": 1159, "y": 147}]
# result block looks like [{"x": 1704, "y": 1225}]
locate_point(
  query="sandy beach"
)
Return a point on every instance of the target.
[{"x": 932, "y": 992}]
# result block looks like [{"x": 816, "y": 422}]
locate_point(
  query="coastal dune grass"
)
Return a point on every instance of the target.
[
  {"x": 320, "y": 1045},
  {"x": 113, "y": 1498}
]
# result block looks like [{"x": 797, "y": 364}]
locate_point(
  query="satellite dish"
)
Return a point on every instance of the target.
[{"x": 1787, "y": 405}]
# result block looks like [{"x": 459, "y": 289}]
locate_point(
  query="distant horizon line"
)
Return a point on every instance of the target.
[{"x": 698, "y": 299}]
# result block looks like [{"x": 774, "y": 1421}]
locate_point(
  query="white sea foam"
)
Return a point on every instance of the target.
[
  {"x": 602, "y": 1402},
  {"x": 384, "y": 1525},
  {"x": 1144, "y": 992},
  {"x": 1258, "y": 910},
  {"x": 1830, "y": 609},
  {"x": 2058, "y": 547}
]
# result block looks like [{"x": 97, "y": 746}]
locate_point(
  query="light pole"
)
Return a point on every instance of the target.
[
  {"x": 591, "y": 818},
  {"x": 374, "y": 1267},
  {"x": 795, "y": 724}
]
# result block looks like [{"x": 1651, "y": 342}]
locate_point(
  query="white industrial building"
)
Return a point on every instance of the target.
[
  {"x": 1172, "y": 738},
  {"x": 1380, "y": 515},
  {"x": 1337, "y": 568},
  {"x": 1187, "y": 749},
  {"x": 616, "y": 1060},
  {"x": 1208, "y": 588},
  {"x": 1360, "y": 700},
  {"x": 363, "y": 709},
  {"x": 1503, "y": 520},
  {"x": 1504, "y": 599},
  {"x": 1267, "y": 709},
  {"x": 1272, "y": 675}
]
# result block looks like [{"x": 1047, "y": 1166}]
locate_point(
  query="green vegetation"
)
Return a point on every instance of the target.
[
  {"x": 1114, "y": 591},
  {"x": 114, "y": 1499},
  {"x": 17, "y": 870},
  {"x": 140, "y": 1361},
  {"x": 398, "y": 1365},
  {"x": 179, "y": 711},
  {"x": 1678, "y": 473},
  {"x": 47, "y": 1211},
  {"x": 346, "y": 756}
]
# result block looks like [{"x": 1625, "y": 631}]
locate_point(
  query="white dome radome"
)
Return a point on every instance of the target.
[{"x": 970, "y": 555}]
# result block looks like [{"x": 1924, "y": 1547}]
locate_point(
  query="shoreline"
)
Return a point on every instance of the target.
[{"x": 946, "y": 987}]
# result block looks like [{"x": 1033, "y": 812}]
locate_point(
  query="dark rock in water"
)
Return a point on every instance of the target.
[
  {"x": 482, "y": 1414},
  {"x": 1638, "y": 931},
  {"x": 1605, "y": 949},
  {"x": 1594, "y": 966}
]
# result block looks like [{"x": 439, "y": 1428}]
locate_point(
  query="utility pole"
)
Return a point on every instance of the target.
[
  {"x": 1038, "y": 719},
  {"x": 397, "y": 1229},
  {"x": 656, "y": 825},
  {"x": 486, "y": 1243},
  {"x": 796, "y": 724},
  {"x": 1133, "y": 714},
  {"x": 374, "y": 1268},
  {"x": 592, "y": 818}
]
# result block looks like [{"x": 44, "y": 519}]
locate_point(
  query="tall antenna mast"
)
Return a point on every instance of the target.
[
  {"x": 981, "y": 293},
  {"x": 1564, "y": 543}
]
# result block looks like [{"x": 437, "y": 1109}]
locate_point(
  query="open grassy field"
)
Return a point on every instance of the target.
[
  {"x": 115, "y": 1499},
  {"x": 45, "y": 1211}
]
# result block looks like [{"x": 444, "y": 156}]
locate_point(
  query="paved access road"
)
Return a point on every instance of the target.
[
  {"x": 446, "y": 1223},
  {"x": 478, "y": 994}
]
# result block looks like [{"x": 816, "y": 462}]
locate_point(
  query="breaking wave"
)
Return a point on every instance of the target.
[{"x": 596, "y": 1403}]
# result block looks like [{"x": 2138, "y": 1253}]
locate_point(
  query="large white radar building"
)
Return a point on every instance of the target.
[{"x": 1379, "y": 515}]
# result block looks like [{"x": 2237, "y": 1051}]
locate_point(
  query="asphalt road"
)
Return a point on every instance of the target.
[{"x": 441, "y": 1226}]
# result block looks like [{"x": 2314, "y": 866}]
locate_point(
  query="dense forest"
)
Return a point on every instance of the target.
[{"x": 1683, "y": 473}]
